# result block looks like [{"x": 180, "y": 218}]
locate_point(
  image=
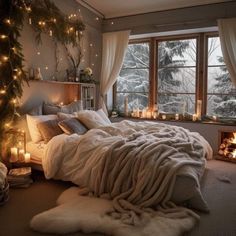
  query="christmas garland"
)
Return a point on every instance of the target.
[{"x": 44, "y": 17}]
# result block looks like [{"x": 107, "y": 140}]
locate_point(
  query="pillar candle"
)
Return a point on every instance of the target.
[
  {"x": 126, "y": 106},
  {"x": 176, "y": 116},
  {"x": 194, "y": 117},
  {"x": 199, "y": 109},
  {"x": 14, "y": 154},
  {"x": 149, "y": 114},
  {"x": 21, "y": 155},
  {"x": 163, "y": 117},
  {"x": 27, "y": 157}
]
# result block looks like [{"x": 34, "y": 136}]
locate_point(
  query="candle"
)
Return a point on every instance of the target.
[
  {"x": 154, "y": 114},
  {"x": 30, "y": 21},
  {"x": 21, "y": 154},
  {"x": 199, "y": 109},
  {"x": 149, "y": 114},
  {"x": 144, "y": 113},
  {"x": 14, "y": 154},
  {"x": 163, "y": 117},
  {"x": 126, "y": 106},
  {"x": 27, "y": 157},
  {"x": 214, "y": 118},
  {"x": 176, "y": 116},
  {"x": 194, "y": 117}
]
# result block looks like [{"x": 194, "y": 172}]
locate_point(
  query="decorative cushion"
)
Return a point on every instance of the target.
[
  {"x": 64, "y": 116},
  {"x": 49, "y": 129},
  {"x": 49, "y": 108},
  {"x": 71, "y": 126},
  {"x": 72, "y": 107},
  {"x": 91, "y": 119},
  {"x": 32, "y": 122},
  {"x": 104, "y": 116}
]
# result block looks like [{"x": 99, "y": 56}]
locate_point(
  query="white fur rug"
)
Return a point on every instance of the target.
[{"x": 88, "y": 214}]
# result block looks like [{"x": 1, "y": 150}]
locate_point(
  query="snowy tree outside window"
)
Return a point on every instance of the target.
[
  {"x": 133, "y": 81},
  {"x": 177, "y": 76},
  {"x": 221, "y": 97}
]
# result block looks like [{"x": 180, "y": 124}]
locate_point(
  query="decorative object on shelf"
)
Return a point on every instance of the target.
[
  {"x": 86, "y": 76},
  {"x": 194, "y": 117},
  {"x": 176, "y": 116},
  {"x": 37, "y": 74}
]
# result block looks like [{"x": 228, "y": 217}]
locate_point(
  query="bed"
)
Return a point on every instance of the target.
[{"x": 121, "y": 158}]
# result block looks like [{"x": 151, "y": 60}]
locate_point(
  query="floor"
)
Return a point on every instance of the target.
[{"x": 41, "y": 195}]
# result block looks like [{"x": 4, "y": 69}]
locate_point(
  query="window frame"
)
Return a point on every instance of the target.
[{"x": 201, "y": 90}]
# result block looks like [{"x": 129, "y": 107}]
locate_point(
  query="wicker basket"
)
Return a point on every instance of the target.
[{"x": 4, "y": 194}]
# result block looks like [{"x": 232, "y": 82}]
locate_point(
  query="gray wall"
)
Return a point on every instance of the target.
[
  {"x": 171, "y": 20},
  {"x": 92, "y": 35}
]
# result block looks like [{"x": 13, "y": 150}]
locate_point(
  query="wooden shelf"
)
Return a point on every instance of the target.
[{"x": 62, "y": 82}]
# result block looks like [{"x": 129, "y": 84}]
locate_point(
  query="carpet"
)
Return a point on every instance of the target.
[{"x": 89, "y": 214}]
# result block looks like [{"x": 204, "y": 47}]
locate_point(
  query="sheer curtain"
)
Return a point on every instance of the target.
[
  {"x": 227, "y": 32},
  {"x": 114, "y": 46}
]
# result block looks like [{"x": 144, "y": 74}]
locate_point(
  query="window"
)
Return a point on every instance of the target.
[
  {"x": 133, "y": 81},
  {"x": 176, "y": 77},
  {"x": 179, "y": 71},
  {"x": 221, "y": 101}
]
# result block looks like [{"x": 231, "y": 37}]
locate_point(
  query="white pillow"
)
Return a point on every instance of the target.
[
  {"x": 91, "y": 119},
  {"x": 32, "y": 122},
  {"x": 64, "y": 116},
  {"x": 104, "y": 116}
]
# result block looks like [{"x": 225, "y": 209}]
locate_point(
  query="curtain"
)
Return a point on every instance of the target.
[
  {"x": 114, "y": 46},
  {"x": 227, "y": 32}
]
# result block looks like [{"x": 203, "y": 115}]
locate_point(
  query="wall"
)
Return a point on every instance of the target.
[
  {"x": 171, "y": 20},
  {"x": 91, "y": 45}
]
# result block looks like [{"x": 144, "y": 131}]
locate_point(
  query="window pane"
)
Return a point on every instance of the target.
[
  {"x": 177, "y": 53},
  {"x": 215, "y": 56},
  {"x": 219, "y": 80},
  {"x": 134, "y": 100},
  {"x": 221, "y": 105},
  {"x": 133, "y": 80},
  {"x": 177, "y": 80},
  {"x": 137, "y": 56},
  {"x": 177, "y": 103}
]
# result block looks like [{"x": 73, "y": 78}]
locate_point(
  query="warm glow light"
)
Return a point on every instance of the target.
[
  {"x": 234, "y": 138},
  {"x": 46, "y": 67},
  {"x": 38, "y": 53},
  {"x": 5, "y": 58},
  {"x": 3, "y": 36},
  {"x": 3, "y": 91},
  {"x": 234, "y": 153},
  {"x": 8, "y": 21}
]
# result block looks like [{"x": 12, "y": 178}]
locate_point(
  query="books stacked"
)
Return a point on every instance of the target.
[{"x": 20, "y": 177}]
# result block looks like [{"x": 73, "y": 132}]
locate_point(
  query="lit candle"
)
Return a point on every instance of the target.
[
  {"x": 214, "y": 118},
  {"x": 30, "y": 21},
  {"x": 199, "y": 109},
  {"x": 144, "y": 113},
  {"x": 154, "y": 114},
  {"x": 21, "y": 154},
  {"x": 149, "y": 114},
  {"x": 176, "y": 116},
  {"x": 126, "y": 106},
  {"x": 163, "y": 117},
  {"x": 27, "y": 157},
  {"x": 14, "y": 154},
  {"x": 194, "y": 117}
]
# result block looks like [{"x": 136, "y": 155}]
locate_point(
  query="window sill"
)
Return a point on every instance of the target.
[{"x": 206, "y": 122}]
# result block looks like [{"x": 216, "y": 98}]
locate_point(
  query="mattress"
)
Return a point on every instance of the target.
[{"x": 36, "y": 150}]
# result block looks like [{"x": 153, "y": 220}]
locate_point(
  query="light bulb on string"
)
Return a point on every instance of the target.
[
  {"x": 3, "y": 91},
  {"x": 3, "y": 36},
  {"x": 5, "y": 58},
  {"x": 8, "y": 21},
  {"x": 38, "y": 53}
]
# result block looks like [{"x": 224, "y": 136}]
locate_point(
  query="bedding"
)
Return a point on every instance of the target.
[
  {"x": 72, "y": 125},
  {"x": 136, "y": 164},
  {"x": 36, "y": 150},
  {"x": 33, "y": 121},
  {"x": 92, "y": 119},
  {"x": 48, "y": 129}
]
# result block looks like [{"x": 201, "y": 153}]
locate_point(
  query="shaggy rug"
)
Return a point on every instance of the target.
[{"x": 89, "y": 214}]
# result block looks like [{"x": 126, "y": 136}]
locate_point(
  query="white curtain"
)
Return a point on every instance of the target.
[
  {"x": 227, "y": 32},
  {"x": 114, "y": 46}
]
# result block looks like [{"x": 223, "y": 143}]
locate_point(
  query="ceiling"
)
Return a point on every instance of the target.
[{"x": 114, "y": 8}]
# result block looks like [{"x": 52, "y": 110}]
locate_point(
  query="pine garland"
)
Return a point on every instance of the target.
[{"x": 45, "y": 17}]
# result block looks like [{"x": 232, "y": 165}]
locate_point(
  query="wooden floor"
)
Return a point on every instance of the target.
[{"x": 42, "y": 194}]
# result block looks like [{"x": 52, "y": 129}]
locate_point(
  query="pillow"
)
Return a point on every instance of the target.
[
  {"x": 64, "y": 116},
  {"x": 72, "y": 107},
  {"x": 32, "y": 122},
  {"x": 49, "y": 129},
  {"x": 49, "y": 108},
  {"x": 71, "y": 126},
  {"x": 91, "y": 119},
  {"x": 104, "y": 116}
]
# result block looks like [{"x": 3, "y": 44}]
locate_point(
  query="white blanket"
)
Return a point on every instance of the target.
[{"x": 135, "y": 164}]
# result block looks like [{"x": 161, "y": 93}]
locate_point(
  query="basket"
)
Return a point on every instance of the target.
[{"x": 4, "y": 194}]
